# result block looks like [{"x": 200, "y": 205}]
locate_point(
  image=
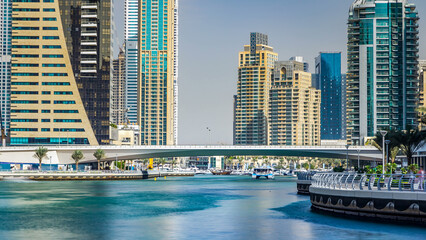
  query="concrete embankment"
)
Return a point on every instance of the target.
[
  {"x": 385, "y": 206},
  {"x": 88, "y": 176}
]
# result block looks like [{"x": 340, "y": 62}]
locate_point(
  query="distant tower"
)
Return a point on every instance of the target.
[
  {"x": 5, "y": 56},
  {"x": 382, "y": 77},
  {"x": 118, "y": 102},
  {"x": 157, "y": 72},
  {"x": 333, "y": 96},
  {"x": 256, "y": 64},
  {"x": 294, "y": 106},
  {"x": 300, "y": 59}
]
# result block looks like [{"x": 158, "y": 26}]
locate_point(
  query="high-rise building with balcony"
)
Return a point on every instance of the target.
[
  {"x": 131, "y": 23},
  {"x": 5, "y": 56},
  {"x": 422, "y": 73},
  {"x": 328, "y": 70},
  {"x": 294, "y": 106},
  {"x": 157, "y": 71},
  {"x": 382, "y": 77},
  {"x": 118, "y": 99},
  {"x": 256, "y": 64},
  {"x": 88, "y": 34},
  {"x": 46, "y": 107}
]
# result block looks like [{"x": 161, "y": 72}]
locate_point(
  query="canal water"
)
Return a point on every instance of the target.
[{"x": 202, "y": 207}]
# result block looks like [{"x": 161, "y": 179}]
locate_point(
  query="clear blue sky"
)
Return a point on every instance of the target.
[{"x": 212, "y": 32}]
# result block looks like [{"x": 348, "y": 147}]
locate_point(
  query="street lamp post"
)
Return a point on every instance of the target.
[
  {"x": 387, "y": 150},
  {"x": 347, "y": 157},
  {"x": 210, "y": 135},
  {"x": 383, "y": 148},
  {"x": 359, "y": 150}
]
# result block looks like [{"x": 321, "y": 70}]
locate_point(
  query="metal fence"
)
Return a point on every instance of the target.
[
  {"x": 305, "y": 175},
  {"x": 370, "y": 182}
]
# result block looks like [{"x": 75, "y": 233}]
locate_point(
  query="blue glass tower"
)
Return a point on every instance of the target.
[{"x": 328, "y": 71}]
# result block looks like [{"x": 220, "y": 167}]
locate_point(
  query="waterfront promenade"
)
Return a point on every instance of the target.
[
  {"x": 88, "y": 175},
  {"x": 384, "y": 197}
]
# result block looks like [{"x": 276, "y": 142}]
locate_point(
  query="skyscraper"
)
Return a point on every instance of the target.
[
  {"x": 46, "y": 107},
  {"x": 422, "y": 72},
  {"x": 294, "y": 106},
  {"x": 5, "y": 55},
  {"x": 131, "y": 23},
  {"x": 88, "y": 33},
  {"x": 328, "y": 71},
  {"x": 256, "y": 64},
  {"x": 382, "y": 77},
  {"x": 118, "y": 99},
  {"x": 157, "y": 72}
]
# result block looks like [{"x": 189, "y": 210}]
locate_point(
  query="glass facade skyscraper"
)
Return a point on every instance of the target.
[
  {"x": 382, "y": 77},
  {"x": 5, "y": 57},
  {"x": 88, "y": 33},
  {"x": 328, "y": 70},
  {"x": 131, "y": 23},
  {"x": 157, "y": 72}
]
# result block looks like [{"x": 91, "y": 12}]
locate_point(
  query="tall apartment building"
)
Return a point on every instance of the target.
[
  {"x": 46, "y": 107},
  {"x": 294, "y": 106},
  {"x": 422, "y": 75},
  {"x": 5, "y": 56},
  {"x": 131, "y": 23},
  {"x": 256, "y": 64},
  {"x": 157, "y": 72},
  {"x": 88, "y": 34},
  {"x": 328, "y": 70},
  {"x": 118, "y": 99},
  {"x": 382, "y": 77}
]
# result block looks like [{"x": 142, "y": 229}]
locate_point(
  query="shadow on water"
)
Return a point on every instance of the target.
[{"x": 301, "y": 210}]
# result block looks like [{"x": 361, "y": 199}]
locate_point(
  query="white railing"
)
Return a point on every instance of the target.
[{"x": 370, "y": 182}]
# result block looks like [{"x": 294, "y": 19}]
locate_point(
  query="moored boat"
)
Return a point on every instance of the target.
[
  {"x": 221, "y": 172},
  {"x": 266, "y": 172}
]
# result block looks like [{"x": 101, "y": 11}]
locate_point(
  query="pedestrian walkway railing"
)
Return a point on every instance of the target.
[
  {"x": 305, "y": 175},
  {"x": 370, "y": 182}
]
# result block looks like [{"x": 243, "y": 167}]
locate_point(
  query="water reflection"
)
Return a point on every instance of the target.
[{"x": 204, "y": 207}]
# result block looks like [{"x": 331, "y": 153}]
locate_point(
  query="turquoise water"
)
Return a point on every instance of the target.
[{"x": 203, "y": 207}]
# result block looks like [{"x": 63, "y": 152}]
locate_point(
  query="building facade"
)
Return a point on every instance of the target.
[
  {"x": 157, "y": 72},
  {"x": 46, "y": 107},
  {"x": 422, "y": 77},
  {"x": 294, "y": 106},
  {"x": 131, "y": 23},
  {"x": 88, "y": 33},
  {"x": 328, "y": 71},
  {"x": 302, "y": 60},
  {"x": 382, "y": 77},
  {"x": 5, "y": 57},
  {"x": 256, "y": 64},
  {"x": 118, "y": 99}
]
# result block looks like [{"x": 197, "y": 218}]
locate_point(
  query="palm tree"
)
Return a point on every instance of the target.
[
  {"x": 40, "y": 153},
  {"x": 77, "y": 155},
  {"x": 99, "y": 154},
  {"x": 409, "y": 141},
  {"x": 255, "y": 161},
  {"x": 173, "y": 162},
  {"x": 281, "y": 162},
  {"x": 162, "y": 162},
  {"x": 266, "y": 161},
  {"x": 145, "y": 163},
  {"x": 229, "y": 161},
  {"x": 240, "y": 162}
]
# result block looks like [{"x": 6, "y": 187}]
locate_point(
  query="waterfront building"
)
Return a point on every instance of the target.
[
  {"x": 5, "y": 56},
  {"x": 88, "y": 34},
  {"x": 382, "y": 77},
  {"x": 329, "y": 79},
  {"x": 294, "y": 106},
  {"x": 157, "y": 72},
  {"x": 131, "y": 23},
  {"x": 118, "y": 99},
  {"x": 46, "y": 107},
  {"x": 302, "y": 60},
  {"x": 256, "y": 64}
]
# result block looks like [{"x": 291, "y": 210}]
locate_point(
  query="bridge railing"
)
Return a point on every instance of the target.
[{"x": 370, "y": 182}]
